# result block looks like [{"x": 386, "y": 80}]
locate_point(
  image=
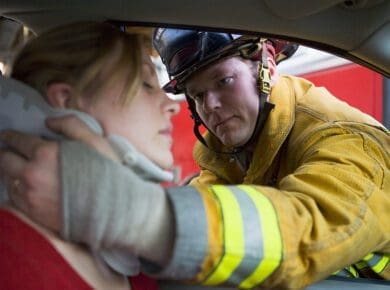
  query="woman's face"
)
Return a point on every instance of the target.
[{"x": 145, "y": 121}]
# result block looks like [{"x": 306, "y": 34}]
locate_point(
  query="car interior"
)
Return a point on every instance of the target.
[{"x": 356, "y": 30}]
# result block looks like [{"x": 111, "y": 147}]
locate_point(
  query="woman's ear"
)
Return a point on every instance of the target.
[{"x": 59, "y": 95}]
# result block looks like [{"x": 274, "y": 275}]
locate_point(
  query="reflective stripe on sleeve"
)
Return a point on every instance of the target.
[
  {"x": 253, "y": 247},
  {"x": 377, "y": 262},
  {"x": 272, "y": 239},
  {"x": 349, "y": 272},
  {"x": 233, "y": 236}
]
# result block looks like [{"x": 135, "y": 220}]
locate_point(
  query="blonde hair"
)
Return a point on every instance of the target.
[{"x": 86, "y": 55}]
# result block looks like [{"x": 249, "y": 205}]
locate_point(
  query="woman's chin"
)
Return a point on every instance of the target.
[{"x": 165, "y": 161}]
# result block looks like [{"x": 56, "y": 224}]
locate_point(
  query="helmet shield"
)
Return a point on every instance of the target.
[
  {"x": 179, "y": 49},
  {"x": 185, "y": 51}
]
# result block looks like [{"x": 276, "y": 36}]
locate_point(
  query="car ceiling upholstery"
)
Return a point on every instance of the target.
[{"x": 356, "y": 29}]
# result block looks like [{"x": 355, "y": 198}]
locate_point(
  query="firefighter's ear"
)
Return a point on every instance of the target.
[
  {"x": 59, "y": 95},
  {"x": 272, "y": 68}
]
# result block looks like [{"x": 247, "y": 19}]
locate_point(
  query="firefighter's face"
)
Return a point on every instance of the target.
[{"x": 226, "y": 99}]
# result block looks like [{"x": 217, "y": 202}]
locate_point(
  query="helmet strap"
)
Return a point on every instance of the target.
[
  {"x": 197, "y": 121},
  {"x": 197, "y": 133},
  {"x": 264, "y": 75},
  {"x": 264, "y": 88}
]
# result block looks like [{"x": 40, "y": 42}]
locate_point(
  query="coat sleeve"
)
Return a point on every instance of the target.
[{"x": 331, "y": 211}]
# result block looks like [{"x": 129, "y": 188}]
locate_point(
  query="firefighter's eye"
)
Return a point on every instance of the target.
[{"x": 226, "y": 81}]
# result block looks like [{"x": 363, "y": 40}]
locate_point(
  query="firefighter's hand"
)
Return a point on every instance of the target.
[
  {"x": 74, "y": 129},
  {"x": 30, "y": 168}
]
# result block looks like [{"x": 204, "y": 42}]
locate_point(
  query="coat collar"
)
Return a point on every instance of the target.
[{"x": 273, "y": 135}]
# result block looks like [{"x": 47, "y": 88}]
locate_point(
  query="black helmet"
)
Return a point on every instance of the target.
[{"x": 185, "y": 51}]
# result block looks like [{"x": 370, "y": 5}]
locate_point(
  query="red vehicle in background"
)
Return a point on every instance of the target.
[{"x": 359, "y": 86}]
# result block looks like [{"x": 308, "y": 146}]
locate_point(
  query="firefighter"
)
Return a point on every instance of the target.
[
  {"x": 294, "y": 184},
  {"x": 289, "y": 170}
]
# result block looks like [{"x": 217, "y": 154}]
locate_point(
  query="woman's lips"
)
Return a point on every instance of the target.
[{"x": 166, "y": 132}]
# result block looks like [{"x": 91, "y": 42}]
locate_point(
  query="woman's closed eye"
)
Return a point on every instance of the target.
[
  {"x": 148, "y": 85},
  {"x": 151, "y": 86}
]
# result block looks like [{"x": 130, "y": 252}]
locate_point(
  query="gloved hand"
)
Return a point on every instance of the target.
[{"x": 106, "y": 205}]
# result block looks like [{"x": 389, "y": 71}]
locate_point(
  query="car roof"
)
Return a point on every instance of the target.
[{"x": 358, "y": 30}]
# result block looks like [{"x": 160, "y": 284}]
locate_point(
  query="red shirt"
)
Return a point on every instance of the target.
[{"x": 29, "y": 261}]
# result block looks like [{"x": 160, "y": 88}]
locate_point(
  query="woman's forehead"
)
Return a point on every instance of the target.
[
  {"x": 148, "y": 68},
  {"x": 147, "y": 62}
]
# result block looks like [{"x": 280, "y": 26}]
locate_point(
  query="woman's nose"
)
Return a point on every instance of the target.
[{"x": 171, "y": 106}]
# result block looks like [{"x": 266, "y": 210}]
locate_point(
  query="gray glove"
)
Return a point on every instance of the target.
[{"x": 107, "y": 206}]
